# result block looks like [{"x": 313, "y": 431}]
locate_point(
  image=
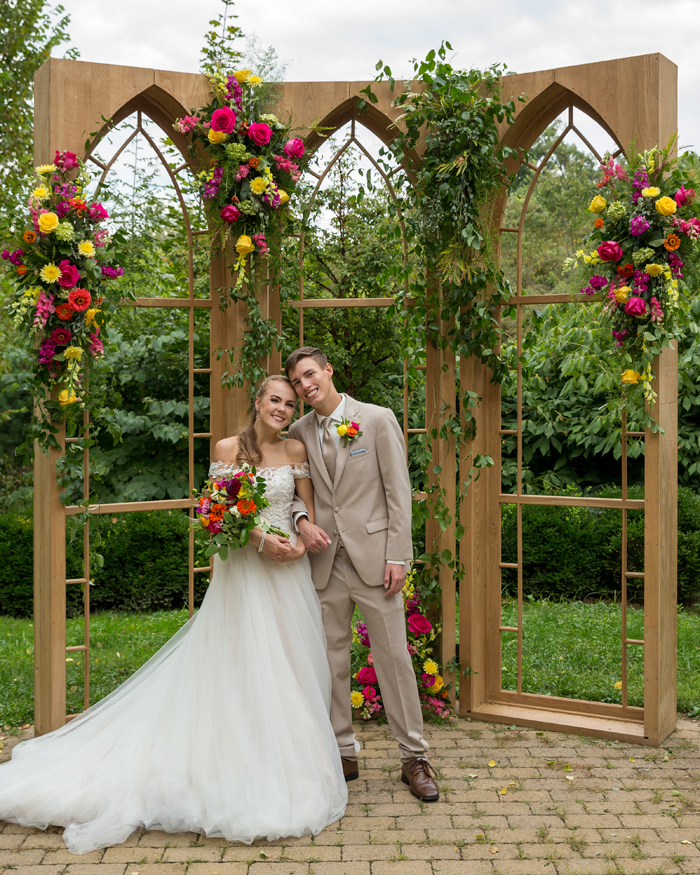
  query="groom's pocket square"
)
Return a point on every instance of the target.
[{"x": 358, "y": 452}]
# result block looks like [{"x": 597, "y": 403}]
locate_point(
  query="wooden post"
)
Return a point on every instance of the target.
[{"x": 49, "y": 593}]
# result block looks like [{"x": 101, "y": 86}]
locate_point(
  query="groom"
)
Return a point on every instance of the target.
[{"x": 358, "y": 551}]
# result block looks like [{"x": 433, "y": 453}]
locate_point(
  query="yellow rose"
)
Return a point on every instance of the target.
[
  {"x": 242, "y": 75},
  {"x": 217, "y": 137},
  {"x": 342, "y": 430},
  {"x": 48, "y": 222},
  {"x": 284, "y": 197},
  {"x": 66, "y": 397},
  {"x": 653, "y": 269},
  {"x": 258, "y": 185},
  {"x": 631, "y": 377},
  {"x": 438, "y": 685},
  {"x": 666, "y": 206},
  {"x": 652, "y": 191},
  {"x": 598, "y": 204},
  {"x": 244, "y": 245},
  {"x": 621, "y": 294}
]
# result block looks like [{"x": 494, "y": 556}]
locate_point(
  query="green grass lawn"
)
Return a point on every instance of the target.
[{"x": 569, "y": 649}]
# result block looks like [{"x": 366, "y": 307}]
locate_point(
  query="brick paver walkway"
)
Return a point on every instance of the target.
[{"x": 551, "y": 805}]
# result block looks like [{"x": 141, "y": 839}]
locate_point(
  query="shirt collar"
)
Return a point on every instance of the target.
[{"x": 337, "y": 414}]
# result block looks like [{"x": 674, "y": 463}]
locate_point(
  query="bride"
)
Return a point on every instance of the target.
[{"x": 225, "y": 731}]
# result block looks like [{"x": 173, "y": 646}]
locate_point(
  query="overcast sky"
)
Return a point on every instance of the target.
[{"x": 327, "y": 39}]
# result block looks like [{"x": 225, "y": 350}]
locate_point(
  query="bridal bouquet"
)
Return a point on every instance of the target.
[
  {"x": 645, "y": 232},
  {"x": 229, "y": 508}
]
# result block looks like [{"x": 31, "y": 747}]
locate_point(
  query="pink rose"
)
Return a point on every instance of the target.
[
  {"x": 419, "y": 625},
  {"x": 223, "y": 120},
  {"x": 260, "y": 133},
  {"x": 66, "y": 160},
  {"x": 684, "y": 196},
  {"x": 610, "y": 251},
  {"x": 636, "y": 307},
  {"x": 367, "y": 675},
  {"x": 230, "y": 214},
  {"x": 70, "y": 277},
  {"x": 294, "y": 148}
]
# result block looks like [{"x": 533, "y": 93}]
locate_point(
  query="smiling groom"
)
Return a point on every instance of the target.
[{"x": 358, "y": 551}]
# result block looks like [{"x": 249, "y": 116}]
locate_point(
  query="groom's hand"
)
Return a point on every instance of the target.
[
  {"x": 314, "y": 538},
  {"x": 394, "y": 578}
]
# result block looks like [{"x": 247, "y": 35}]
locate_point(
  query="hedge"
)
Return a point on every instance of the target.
[{"x": 145, "y": 564}]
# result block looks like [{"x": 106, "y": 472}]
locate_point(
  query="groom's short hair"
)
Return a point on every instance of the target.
[{"x": 305, "y": 352}]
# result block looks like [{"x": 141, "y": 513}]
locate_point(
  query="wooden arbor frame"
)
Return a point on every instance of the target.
[{"x": 629, "y": 98}]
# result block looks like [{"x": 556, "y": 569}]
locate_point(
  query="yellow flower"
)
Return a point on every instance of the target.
[
  {"x": 254, "y": 80},
  {"x": 50, "y": 273},
  {"x": 258, "y": 185},
  {"x": 357, "y": 700},
  {"x": 284, "y": 197},
  {"x": 45, "y": 168},
  {"x": 621, "y": 294},
  {"x": 242, "y": 75},
  {"x": 430, "y": 666},
  {"x": 618, "y": 685},
  {"x": 438, "y": 685},
  {"x": 244, "y": 245},
  {"x": 666, "y": 206},
  {"x": 86, "y": 248},
  {"x": 652, "y": 191},
  {"x": 654, "y": 269},
  {"x": 41, "y": 192},
  {"x": 342, "y": 430},
  {"x": 66, "y": 397},
  {"x": 90, "y": 315},
  {"x": 632, "y": 378},
  {"x": 73, "y": 352},
  {"x": 598, "y": 204},
  {"x": 217, "y": 137},
  {"x": 48, "y": 222}
]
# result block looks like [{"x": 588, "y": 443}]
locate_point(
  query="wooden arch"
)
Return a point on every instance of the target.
[{"x": 631, "y": 98}]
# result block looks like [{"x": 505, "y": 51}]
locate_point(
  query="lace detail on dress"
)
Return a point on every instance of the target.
[{"x": 279, "y": 492}]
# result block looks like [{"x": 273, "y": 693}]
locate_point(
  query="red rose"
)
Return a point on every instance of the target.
[
  {"x": 230, "y": 214},
  {"x": 636, "y": 307},
  {"x": 419, "y": 625},
  {"x": 294, "y": 148},
  {"x": 610, "y": 251},
  {"x": 223, "y": 120},
  {"x": 260, "y": 133},
  {"x": 367, "y": 675},
  {"x": 70, "y": 277}
]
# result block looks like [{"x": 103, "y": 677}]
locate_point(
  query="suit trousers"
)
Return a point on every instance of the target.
[{"x": 386, "y": 627}]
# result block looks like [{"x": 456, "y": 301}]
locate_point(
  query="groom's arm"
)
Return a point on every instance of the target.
[{"x": 391, "y": 457}]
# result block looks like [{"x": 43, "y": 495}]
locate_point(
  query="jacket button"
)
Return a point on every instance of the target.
[{"x": 336, "y": 509}]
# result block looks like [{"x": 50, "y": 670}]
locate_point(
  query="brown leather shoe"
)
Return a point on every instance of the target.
[
  {"x": 420, "y": 777},
  {"x": 350, "y": 769}
]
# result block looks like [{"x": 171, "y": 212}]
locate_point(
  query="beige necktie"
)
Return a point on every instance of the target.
[{"x": 330, "y": 450}]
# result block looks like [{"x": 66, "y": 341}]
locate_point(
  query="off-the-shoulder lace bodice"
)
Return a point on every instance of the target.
[{"x": 279, "y": 491}]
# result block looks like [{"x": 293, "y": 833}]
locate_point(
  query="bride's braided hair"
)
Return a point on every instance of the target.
[{"x": 248, "y": 448}]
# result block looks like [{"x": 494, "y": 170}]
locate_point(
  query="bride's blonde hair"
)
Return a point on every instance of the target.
[{"x": 248, "y": 448}]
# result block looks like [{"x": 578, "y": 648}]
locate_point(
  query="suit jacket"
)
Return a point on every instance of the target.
[{"x": 368, "y": 506}]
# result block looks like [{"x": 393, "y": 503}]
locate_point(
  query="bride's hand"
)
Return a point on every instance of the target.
[
  {"x": 295, "y": 553},
  {"x": 276, "y": 547}
]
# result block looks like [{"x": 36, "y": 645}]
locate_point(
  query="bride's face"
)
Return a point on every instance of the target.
[{"x": 276, "y": 407}]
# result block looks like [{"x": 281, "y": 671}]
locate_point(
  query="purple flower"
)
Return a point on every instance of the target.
[
  {"x": 641, "y": 280},
  {"x": 676, "y": 263},
  {"x": 620, "y": 336},
  {"x": 598, "y": 282},
  {"x": 47, "y": 351},
  {"x": 234, "y": 92},
  {"x": 361, "y": 629},
  {"x": 16, "y": 257},
  {"x": 640, "y": 181},
  {"x": 233, "y": 487},
  {"x": 638, "y": 226},
  {"x": 111, "y": 272},
  {"x": 62, "y": 209},
  {"x": 211, "y": 186}
]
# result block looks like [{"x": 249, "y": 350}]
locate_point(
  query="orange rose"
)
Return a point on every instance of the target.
[
  {"x": 246, "y": 506},
  {"x": 672, "y": 242},
  {"x": 351, "y": 431},
  {"x": 599, "y": 223},
  {"x": 29, "y": 237}
]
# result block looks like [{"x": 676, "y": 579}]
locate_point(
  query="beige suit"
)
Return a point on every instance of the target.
[{"x": 366, "y": 512}]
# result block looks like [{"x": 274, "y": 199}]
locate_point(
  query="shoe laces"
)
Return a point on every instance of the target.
[{"x": 415, "y": 766}]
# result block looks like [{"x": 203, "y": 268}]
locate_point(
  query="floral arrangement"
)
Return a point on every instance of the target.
[
  {"x": 348, "y": 431},
  {"x": 366, "y": 695},
  {"x": 62, "y": 261},
  {"x": 254, "y": 162},
  {"x": 646, "y": 228},
  {"x": 229, "y": 509}
]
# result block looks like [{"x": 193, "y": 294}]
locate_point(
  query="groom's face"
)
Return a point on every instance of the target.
[{"x": 311, "y": 381}]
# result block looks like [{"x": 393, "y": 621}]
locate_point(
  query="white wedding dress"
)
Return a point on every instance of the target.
[{"x": 225, "y": 731}]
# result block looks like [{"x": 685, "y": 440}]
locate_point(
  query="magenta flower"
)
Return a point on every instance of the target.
[
  {"x": 111, "y": 272},
  {"x": 223, "y": 119},
  {"x": 638, "y": 225},
  {"x": 361, "y": 629},
  {"x": 369, "y": 693},
  {"x": 70, "y": 277},
  {"x": 66, "y": 160},
  {"x": 230, "y": 214},
  {"x": 47, "y": 351},
  {"x": 294, "y": 148},
  {"x": 367, "y": 675},
  {"x": 598, "y": 282},
  {"x": 636, "y": 307},
  {"x": 260, "y": 133},
  {"x": 610, "y": 251},
  {"x": 97, "y": 212},
  {"x": 427, "y": 679},
  {"x": 684, "y": 196},
  {"x": 186, "y": 123},
  {"x": 60, "y": 336},
  {"x": 419, "y": 625}
]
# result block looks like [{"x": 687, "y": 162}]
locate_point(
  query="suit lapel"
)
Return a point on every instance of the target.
[
  {"x": 313, "y": 448},
  {"x": 351, "y": 413}
]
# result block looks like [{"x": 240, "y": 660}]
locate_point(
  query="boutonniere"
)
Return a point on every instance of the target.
[{"x": 349, "y": 431}]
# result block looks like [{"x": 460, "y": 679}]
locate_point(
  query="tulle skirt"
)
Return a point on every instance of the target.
[{"x": 225, "y": 731}]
